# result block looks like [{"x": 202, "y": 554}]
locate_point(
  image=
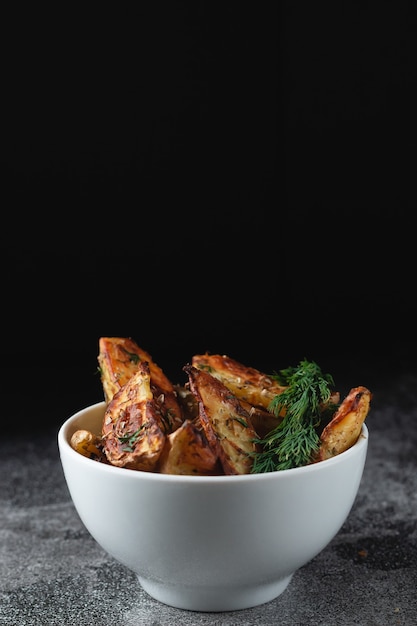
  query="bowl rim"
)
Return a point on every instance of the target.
[{"x": 65, "y": 447}]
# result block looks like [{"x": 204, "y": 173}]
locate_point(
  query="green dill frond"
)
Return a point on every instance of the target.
[
  {"x": 133, "y": 357},
  {"x": 130, "y": 439},
  {"x": 295, "y": 440}
]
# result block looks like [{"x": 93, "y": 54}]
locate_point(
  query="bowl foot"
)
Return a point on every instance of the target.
[{"x": 214, "y": 599}]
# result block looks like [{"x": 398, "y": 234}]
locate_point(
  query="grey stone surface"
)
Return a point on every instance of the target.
[{"x": 53, "y": 573}]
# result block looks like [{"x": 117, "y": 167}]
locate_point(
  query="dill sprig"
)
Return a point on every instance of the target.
[
  {"x": 130, "y": 439},
  {"x": 294, "y": 441}
]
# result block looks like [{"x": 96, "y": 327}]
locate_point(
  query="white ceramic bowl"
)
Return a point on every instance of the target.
[{"x": 211, "y": 543}]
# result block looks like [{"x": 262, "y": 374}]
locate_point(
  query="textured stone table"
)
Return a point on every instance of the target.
[{"x": 53, "y": 573}]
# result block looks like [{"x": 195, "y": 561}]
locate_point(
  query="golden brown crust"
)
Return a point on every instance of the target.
[
  {"x": 119, "y": 359},
  {"x": 345, "y": 427},
  {"x": 133, "y": 432},
  {"x": 247, "y": 383},
  {"x": 226, "y": 423}
]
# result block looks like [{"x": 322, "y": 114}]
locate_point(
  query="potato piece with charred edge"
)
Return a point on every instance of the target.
[
  {"x": 246, "y": 383},
  {"x": 226, "y": 423},
  {"x": 345, "y": 427},
  {"x": 119, "y": 359},
  {"x": 133, "y": 430},
  {"x": 188, "y": 452},
  {"x": 88, "y": 444}
]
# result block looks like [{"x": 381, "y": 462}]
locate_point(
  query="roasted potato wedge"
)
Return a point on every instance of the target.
[
  {"x": 251, "y": 386},
  {"x": 187, "y": 451},
  {"x": 119, "y": 359},
  {"x": 133, "y": 430},
  {"x": 88, "y": 444},
  {"x": 344, "y": 428},
  {"x": 226, "y": 423},
  {"x": 246, "y": 383}
]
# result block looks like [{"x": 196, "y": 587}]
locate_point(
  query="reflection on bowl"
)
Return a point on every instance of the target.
[{"x": 210, "y": 543}]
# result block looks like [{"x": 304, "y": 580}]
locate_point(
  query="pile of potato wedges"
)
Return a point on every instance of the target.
[{"x": 209, "y": 426}]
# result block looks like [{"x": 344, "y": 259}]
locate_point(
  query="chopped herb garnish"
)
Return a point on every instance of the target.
[
  {"x": 133, "y": 357},
  {"x": 131, "y": 438},
  {"x": 241, "y": 421}
]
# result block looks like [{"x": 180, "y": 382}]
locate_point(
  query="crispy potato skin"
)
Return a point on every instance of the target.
[
  {"x": 345, "y": 427},
  {"x": 226, "y": 423},
  {"x": 247, "y": 383},
  {"x": 133, "y": 431},
  {"x": 119, "y": 359},
  {"x": 188, "y": 452}
]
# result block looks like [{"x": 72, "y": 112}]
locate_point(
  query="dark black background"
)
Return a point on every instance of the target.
[{"x": 233, "y": 178}]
